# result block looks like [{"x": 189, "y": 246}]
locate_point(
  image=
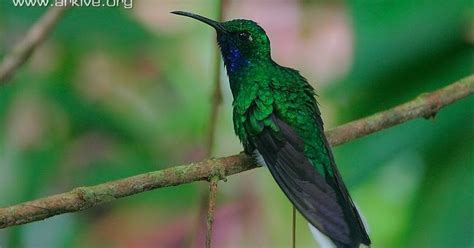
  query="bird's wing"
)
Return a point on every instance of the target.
[{"x": 320, "y": 201}]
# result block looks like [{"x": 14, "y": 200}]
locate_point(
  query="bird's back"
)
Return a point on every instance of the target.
[{"x": 276, "y": 116}]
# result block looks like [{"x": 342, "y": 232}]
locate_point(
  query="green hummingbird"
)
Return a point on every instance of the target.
[{"x": 277, "y": 120}]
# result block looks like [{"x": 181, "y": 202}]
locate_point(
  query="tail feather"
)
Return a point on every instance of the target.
[
  {"x": 320, "y": 196},
  {"x": 324, "y": 241}
]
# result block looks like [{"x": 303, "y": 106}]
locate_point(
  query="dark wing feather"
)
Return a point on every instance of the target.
[
  {"x": 350, "y": 208},
  {"x": 321, "y": 203}
]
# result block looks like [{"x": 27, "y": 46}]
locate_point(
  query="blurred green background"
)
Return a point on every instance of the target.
[{"x": 115, "y": 92}]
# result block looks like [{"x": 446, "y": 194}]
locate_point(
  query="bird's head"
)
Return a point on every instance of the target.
[{"x": 242, "y": 42}]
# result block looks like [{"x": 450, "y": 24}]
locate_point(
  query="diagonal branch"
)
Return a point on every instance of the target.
[
  {"x": 425, "y": 105},
  {"x": 33, "y": 38}
]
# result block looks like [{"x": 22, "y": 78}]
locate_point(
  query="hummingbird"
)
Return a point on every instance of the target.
[{"x": 278, "y": 122}]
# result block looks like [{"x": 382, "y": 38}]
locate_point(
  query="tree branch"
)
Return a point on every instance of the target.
[
  {"x": 206, "y": 201},
  {"x": 425, "y": 105},
  {"x": 33, "y": 38},
  {"x": 210, "y": 209},
  {"x": 210, "y": 196},
  {"x": 216, "y": 91}
]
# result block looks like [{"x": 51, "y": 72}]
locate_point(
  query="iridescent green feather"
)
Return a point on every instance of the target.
[{"x": 290, "y": 97}]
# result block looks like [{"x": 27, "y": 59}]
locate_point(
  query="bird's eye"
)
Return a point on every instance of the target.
[{"x": 245, "y": 36}]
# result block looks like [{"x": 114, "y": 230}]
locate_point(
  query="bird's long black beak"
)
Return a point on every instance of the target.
[{"x": 217, "y": 25}]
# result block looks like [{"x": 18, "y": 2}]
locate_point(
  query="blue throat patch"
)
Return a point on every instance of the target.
[{"x": 234, "y": 60}]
